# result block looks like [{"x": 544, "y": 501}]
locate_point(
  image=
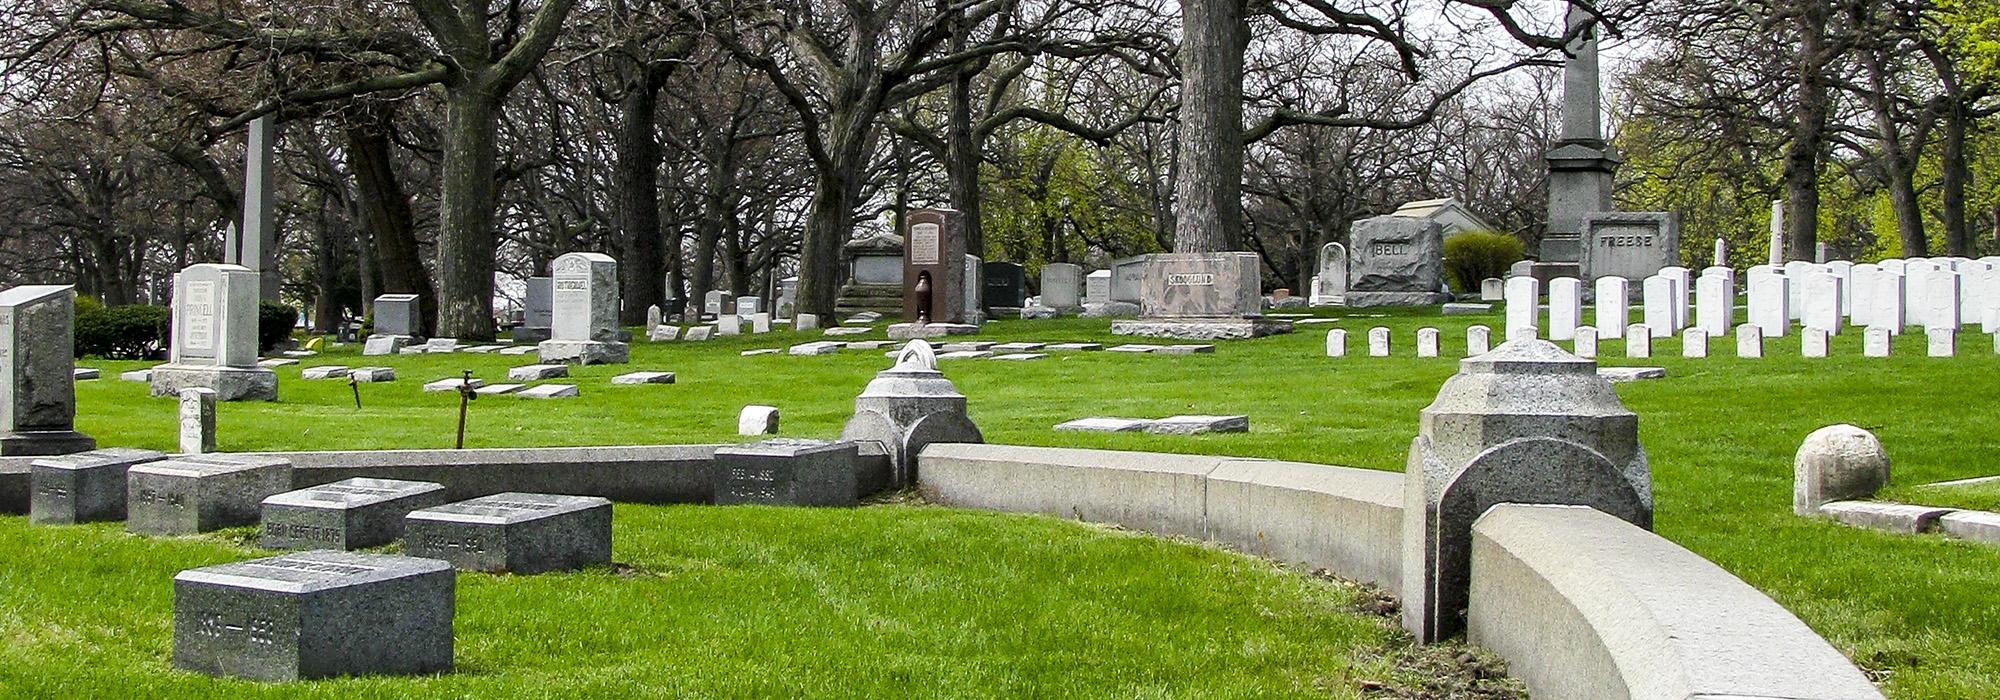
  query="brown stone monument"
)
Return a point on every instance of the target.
[{"x": 934, "y": 266}]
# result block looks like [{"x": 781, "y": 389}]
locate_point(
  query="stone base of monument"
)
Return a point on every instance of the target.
[
  {"x": 1040, "y": 313},
  {"x": 583, "y": 352},
  {"x": 1365, "y": 300},
  {"x": 350, "y": 514},
  {"x": 520, "y": 533},
  {"x": 1549, "y": 271},
  {"x": 530, "y": 335},
  {"x": 202, "y": 493},
  {"x": 45, "y": 443},
  {"x": 787, "y": 472},
  {"x": 229, "y": 383},
  {"x": 1201, "y": 328},
  {"x": 385, "y": 344},
  {"x": 912, "y": 331},
  {"x": 1110, "y": 309},
  {"x": 315, "y": 615}
]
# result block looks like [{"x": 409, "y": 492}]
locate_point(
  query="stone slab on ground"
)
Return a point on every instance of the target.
[
  {"x": 1187, "y": 350},
  {"x": 453, "y": 384},
  {"x": 1075, "y": 347},
  {"x": 1106, "y": 425},
  {"x": 1314, "y": 321},
  {"x": 1195, "y": 425},
  {"x": 518, "y": 350},
  {"x": 1975, "y": 525},
  {"x": 348, "y": 514},
  {"x": 1202, "y": 330},
  {"x": 1019, "y": 356},
  {"x": 635, "y": 378},
  {"x": 519, "y": 533},
  {"x": 869, "y": 344},
  {"x": 192, "y": 494},
  {"x": 498, "y": 389},
  {"x": 1467, "y": 309},
  {"x": 137, "y": 375},
  {"x": 481, "y": 349},
  {"x": 787, "y": 472},
  {"x": 324, "y": 372},
  {"x": 912, "y": 331},
  {"x": 967, "y": 345},
  {"x": 848, "y": 330},
  {"x": 549, "y": 391},
  {"x": 817, "y": 348},
  {"x": 536, "y": 373},
  {"x": 86, "y": 373},
  {"x": 761, "y": 351},
  {"x": 1137, "y": 348},
  {"x": 276, "y": 362},
  {"x": 965, "y": 355},
  {"x": 1631, "y": 374},
  {"x": 315, "y": 615},
  {"x": 1893, "y": 517},
  {"x": 1017, "y": 347},
  {"x": 372, "y": 374}
]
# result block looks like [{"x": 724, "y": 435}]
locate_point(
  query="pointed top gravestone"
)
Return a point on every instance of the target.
[{"x": 37, "y": 355}]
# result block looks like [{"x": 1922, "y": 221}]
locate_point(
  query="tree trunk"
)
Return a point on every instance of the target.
[
  {"x": 466, "y": 240},
  {"x": 641, "y": 261},
  {"x": 1808, "y": 137},
  {"x": 326, "y": 273},
  {"x": 961, "y": 149},
  {"x": 1951, "y": 159},
  {"x": 827, "y": 227},
  {"x": 386, "y": 212},
  {"x": 1209, "y": 191}
]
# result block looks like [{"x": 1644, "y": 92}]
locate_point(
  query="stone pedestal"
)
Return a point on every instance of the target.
[
  {"x": 907, "y": 407},
  {"x": 215, "y": 337},
  {"x": 315, "y": 615},
  {"x": 1580, "y": 172},
  {"x": 229, "y": 383},
  {"x": 1525, "y": 423}
]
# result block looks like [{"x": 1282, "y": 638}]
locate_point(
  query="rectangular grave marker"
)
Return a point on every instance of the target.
[
  {"x": 787, "y": 472},
  {"x": 192, "y": 494},
  {"x": 315, "y": 615},
  {"x": 521, "y": 533}
]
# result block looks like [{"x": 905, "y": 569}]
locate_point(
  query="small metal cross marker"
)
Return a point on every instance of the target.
[{"x": 465, "y": 396}]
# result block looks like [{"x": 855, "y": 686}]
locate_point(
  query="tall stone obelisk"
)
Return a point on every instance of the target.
[
  {"x": 1582, "y": 163},
  {"x": 255, "y": 245}
]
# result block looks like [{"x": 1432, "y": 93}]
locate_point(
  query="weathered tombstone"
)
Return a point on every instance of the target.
[
  {"x": 517, "y": 533},
  {"x": 586, "y": 312},
  {"x": 934, "y": 267},
  {"x": 1938, "y": 295},
  {"x": 1777, "y": 247},
  {"x": 1659, "y": 301},
  {"x": 1006, "y": 284},
  {"x": 1396, "y": 261},
  {"x": 1694, "y": 343},
  {"x": 717, "y": 302},
  {"x": 1683, "y": 279},
  {"x": 1378, "y": 342},
  {"x": 757, "y": 420},
  {"x": 1823, "y": 302},
  {"x": 82, "y": 487},
  {"x": 215, "y": 337},
  {"x": 1526, "y": 423},
  {"x": 1336, "y": 343},
  {"x": 652, "y": 317},
  {"x": 748, "y": 305},
  {"x": 1478, "y": 340},
  {"x": 1797, "y": 271},
  {"x": 1614, "y": 306},
  {"x": 1128, "y": 278},
  {"x": 907, "y": 407},
  {"x": 1632, "y": 245},
  {"x": 787, "y": 472},
  {"x": 1097, "y": 287},
  {"x": 1565, "y": 307},
  {"x": 1586, "y": 343},
  {"x": 350, "y": 514},
  {"x": 191, "y": 494},
  {"x": 315, "y": 615},
  {"x": 1524, "y": 306},
  {"x": 37, "y": 359},
  {"x": 1844, "y": 270},
  {"x": 538, "y": 315},
  {"x": 396, "y": 315},
  {"x": 974, "y": 289},
  {"x": 1941, "y": 341},
  {"x": 1812, "y": 342},
  {"x": 1492, "y": 289},
  {"x": 1638, "y": 341},
  {"x": 197, "y": 420},
  {"x": 1837, "y": 463},
  {"x": 874, "y": 275},
  {"x": 1770, "y": 304},
  {"x": 1062, "y": 283},
  {"x": 1885, "y": 302},
  {"x": 1749, "y": 341},
  {"x": 1721, "y": 257},
  {"x": 1715, "y": 302},
  {"x": 1201, "y": 295},
  {"x": 1877, "y": 342},
  {"x": 1427, "y": 342},
  {"x": 1330, "y": 285}
]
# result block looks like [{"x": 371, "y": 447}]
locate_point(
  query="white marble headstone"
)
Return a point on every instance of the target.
[{"x": 1614, "y": 306}]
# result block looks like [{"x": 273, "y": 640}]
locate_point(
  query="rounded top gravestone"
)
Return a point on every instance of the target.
[{"x": 1837, "y": 463}]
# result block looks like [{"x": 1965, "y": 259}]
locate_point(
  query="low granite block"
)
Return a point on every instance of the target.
[
  {"x": 83, "y": 487},
  {"x": 1017, "y": 347},
  {"x": 1467, "y": 309},
  {"x": 1975, "y": 525},
  {"x": 202, "y": 493},
  {"x": 277, "y": 362},
  {"x": 85, "y": 373},
  {"x": 481, "y": 349},
  {"x": 1106, "y": 425},
  {"x": 1187, "y": 350},
  {"x": 1893, "y": 517},
  {"x": 518, "y": 350},
  {"x": 968, "y": 346},
  {"x": 372, "y": 374},
  {"x": 965, "y": 355},
  {"x": 453, "y": 384},
  {"x": 498, "y": 389},
  {"x": 841, "y": 330},
  {"x": 787, "y": 472},
  {"x": 634, "y": 378},
  {"x": 1019, "y": 356},
  {"x": 1075, "y": 347},
  {"x": 536, "y": 373},
  {"x": 14, "y": 487},
  {"x": 521, "y": 533},
  {"x": 1195, "y": 425},
  {"x": 414, "y": 350},
  {"x": 350, "y": 514},
  {"x": 549, "y": 391},
  {"x": 324, "y": 372},
  {"x": 870, "y": 344},
  {"x": 315, "y": 615},
  {"x": 141, "y": 376},
  {"x": 822, "y": 347},
  {"x": 1135, "y": 348}
]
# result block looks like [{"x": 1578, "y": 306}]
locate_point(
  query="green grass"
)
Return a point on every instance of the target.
[{"x": 1919, "y": 612}]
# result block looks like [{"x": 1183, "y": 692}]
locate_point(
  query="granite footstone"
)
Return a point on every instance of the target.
[
  {"x": 1106, "y": 425},
  {"x": 1196, "y": 425},
  {"x": 536, "y": 373},
  {"x": 83, "y": 487},
  {"x": 192, "y": 494},
  {"x": 549, "y": 391},
  {"x": 519, "y": 533},
  {"x": 349, "y": 514},
  {"x": 787, "y": 472},
  {"x": 637, "y": 378}
]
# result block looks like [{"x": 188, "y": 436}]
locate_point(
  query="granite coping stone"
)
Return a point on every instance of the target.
[
  {"x": 514, "y": 532},
  {"x": 1893, "y": 517},
  {"x": 786, "y": 471},
  {"x": 372, "y": 374},
  {"x": 318, "y": 614},
  {"x": 325, "y": 372},
  {"x": 85, "y": 373},
  {"x": 349, "y": 514},
  {"x": 137, "y": 375},
  {"x": 453, "y": 384},
  {"x": 1975, "y": 525}
]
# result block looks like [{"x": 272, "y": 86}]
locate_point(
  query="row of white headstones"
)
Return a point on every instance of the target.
[
  {"x": 1813, "y": 342},
  {"x": 1932, "y": 294}
]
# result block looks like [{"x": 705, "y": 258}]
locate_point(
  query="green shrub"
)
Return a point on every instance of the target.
[
  {"x": 1475, "y": 256},
  {"x": 275, "y": 322},
  {"x": 87, "y": 304},
  {"x": 133, "y": 332}
]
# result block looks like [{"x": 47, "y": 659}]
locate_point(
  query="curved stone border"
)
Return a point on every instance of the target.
[{"x": 1579, "y": 603}]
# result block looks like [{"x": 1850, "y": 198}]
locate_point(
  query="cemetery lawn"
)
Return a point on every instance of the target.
[{"x": 1919, "y": 613}]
